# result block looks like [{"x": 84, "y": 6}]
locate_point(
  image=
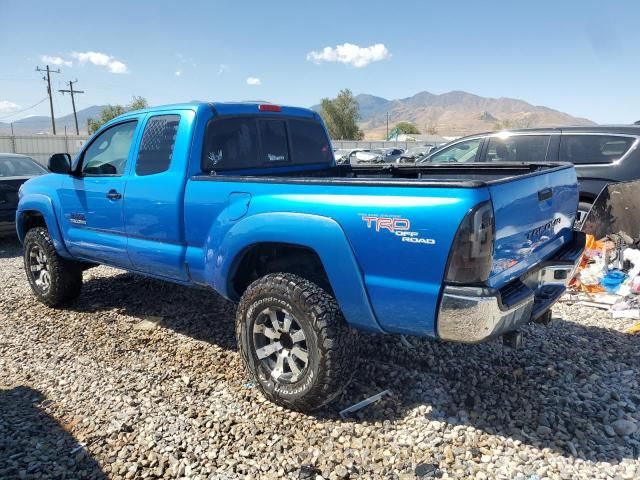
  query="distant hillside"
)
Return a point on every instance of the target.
[
  {"x": 39, "y": 124},
  {"x": 455, "y": 113}
]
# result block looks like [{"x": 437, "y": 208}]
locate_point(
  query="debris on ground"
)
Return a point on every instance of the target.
[
  {"x": 609, "y": 276},
  {"x": 367, "y": 401},
  {"x": 634, "y": 329}
]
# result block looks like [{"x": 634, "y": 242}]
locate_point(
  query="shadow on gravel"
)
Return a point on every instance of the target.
[
  {"x": 34, "y": 445},
  {"x": 10, "y": 247},
  {"x": 198, "y": 313},
  {"x": 559, "y": 391}
]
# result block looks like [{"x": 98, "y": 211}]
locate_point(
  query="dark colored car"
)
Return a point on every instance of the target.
[
  {"x": 14, "y": 171},
  {"x": 601, "y": 154}
]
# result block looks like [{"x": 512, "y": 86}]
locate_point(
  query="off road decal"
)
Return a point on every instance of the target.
[{"x": 398, "y": 226}]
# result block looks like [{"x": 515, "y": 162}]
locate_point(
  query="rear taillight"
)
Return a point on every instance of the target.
[{"x": 471, "y": 257}]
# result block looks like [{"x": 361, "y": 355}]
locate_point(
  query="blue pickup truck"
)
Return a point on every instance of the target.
[{"x": 246, "y": 199}]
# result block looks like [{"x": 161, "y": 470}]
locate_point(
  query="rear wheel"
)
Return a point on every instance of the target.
[
  {"x": 294, "y": 341},
  {"x": 54, "y": 280}
]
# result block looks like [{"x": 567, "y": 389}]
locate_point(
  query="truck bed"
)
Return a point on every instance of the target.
[{"x": 445, "y": 175}]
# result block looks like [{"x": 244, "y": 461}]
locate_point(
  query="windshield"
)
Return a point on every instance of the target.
[{"x": 19, "y": 167}]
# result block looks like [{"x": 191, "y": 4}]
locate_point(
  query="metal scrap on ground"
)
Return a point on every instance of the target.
[{"x": 364, "y": 403}]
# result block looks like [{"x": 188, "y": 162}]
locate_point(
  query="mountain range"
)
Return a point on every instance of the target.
[
  {"x": 453, "y": 113},
  {"x": 41, "y": 124}
]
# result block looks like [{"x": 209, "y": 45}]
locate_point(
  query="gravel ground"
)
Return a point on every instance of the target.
[{"x": 141, "y": 379}]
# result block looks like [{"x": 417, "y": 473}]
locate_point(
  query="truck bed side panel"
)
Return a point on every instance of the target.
[{"x": 400, "y": 237}]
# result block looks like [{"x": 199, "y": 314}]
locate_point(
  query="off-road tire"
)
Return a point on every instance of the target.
[
  {"x": 331, "y": 358},
  {"x": 65, "y": 276}
]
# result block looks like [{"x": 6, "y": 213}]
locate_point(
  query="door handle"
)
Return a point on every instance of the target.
[
  {"x": 545, "y": 194},
  {"x": 114, "y": 195}
]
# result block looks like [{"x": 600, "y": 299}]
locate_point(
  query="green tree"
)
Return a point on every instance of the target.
[
  {"x": 407, "y": 128},
  {"x": 112, "y": 111},
  {"x": 341, "y": 115}
]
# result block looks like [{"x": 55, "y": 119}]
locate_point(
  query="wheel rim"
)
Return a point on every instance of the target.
[
  {"x": 39, "y": 268},
  {"x": 280, "y": 345}
]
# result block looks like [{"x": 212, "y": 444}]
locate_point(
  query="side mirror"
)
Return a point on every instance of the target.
[{"x": 60, "y": 163}]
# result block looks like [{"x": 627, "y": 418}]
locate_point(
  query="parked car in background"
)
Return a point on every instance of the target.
[
  {"x": 366, "y": 156},
  {"x": 378, "y": 155},
  {"x": 390, "y": 155},
  {"x": 415, "y": 154},
  {"x": 343, "y": 156},
  {"x": 14, "y": 171},
  {"x": 601, "y": 154}
]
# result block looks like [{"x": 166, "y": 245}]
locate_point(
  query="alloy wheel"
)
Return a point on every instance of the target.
[{"x": 280, "y": 344}]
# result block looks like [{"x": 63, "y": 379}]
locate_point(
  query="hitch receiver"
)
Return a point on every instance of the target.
[{"x": 512, "y": 339}]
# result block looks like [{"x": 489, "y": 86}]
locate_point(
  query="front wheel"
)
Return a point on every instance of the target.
[
  {"x": 54, "y": 280},
  {"x": 294, "y": 341}
]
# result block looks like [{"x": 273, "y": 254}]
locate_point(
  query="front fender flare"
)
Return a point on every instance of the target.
[
  {"x": 43, "y": 205},
  {"x": 321, "y": 234}
]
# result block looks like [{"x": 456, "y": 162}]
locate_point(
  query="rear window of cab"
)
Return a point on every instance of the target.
[{"x": 240, "y": 143}]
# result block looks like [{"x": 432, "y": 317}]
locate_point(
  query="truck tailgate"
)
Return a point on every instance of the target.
[{"x": 534, "y": 217}]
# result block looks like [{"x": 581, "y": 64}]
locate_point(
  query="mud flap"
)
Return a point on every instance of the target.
[{"x": 617, "y": 209}]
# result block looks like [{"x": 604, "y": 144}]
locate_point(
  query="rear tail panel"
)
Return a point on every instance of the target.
[{"x": 534, "y": 218}]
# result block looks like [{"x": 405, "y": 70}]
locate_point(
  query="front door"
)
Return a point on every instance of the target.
[{"x": 92, "y": 199}]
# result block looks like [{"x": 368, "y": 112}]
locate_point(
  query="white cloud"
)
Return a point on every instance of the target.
[
  {"x": 7, "y": 107},
  {"x": 350, "y": 54},
  {"x": 254, "y": 81},
  {"x": 178, "y": 73},
  {"x": 222, "y": 68},
  {"x": 56, "y": 61},
  {"x": 101, "y": 60}
]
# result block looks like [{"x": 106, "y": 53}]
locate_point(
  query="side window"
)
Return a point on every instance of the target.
[
  {"x": 230, "y": 144},
  {"x": 156, "y": 147},
  {"x": 108, "y": 153},
  {"x": 273, "y": 134},
  {"x": 518, "y": 148},
  {"x": 585, "y": 149},
  {"x": 460, "y": 152}
]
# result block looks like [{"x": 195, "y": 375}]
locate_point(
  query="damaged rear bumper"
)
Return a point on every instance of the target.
[{"x": 475, "y": 314}]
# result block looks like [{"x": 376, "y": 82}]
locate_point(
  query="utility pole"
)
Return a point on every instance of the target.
[
  {"x": 49, "y": 72},
  {"x": 387, "y": 125},
  {"x": 72, "y": 92}
]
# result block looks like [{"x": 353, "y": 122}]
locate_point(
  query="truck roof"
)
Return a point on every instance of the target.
[{"x": 230, "y": 108}]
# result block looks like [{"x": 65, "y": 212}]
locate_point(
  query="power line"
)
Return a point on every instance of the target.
[
  {"x": 48, "y": 78},
  {"x": 24, "y": 109},
  {"x": 72, "y": 92}
]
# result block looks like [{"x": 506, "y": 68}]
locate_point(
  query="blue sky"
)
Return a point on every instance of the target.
[{"x": 576, "y": 56}]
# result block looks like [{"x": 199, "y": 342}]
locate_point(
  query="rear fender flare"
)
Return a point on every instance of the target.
[
  {"x": 321, "y": 234},
  {"x": 44, "y": 206}
]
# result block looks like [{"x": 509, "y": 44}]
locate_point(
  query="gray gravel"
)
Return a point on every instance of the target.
[{"x": 141, "y": 379}]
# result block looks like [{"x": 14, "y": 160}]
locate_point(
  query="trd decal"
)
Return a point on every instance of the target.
[
  {"x": 391, "y": 224},
  {"x": 398, "y": 226}
]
